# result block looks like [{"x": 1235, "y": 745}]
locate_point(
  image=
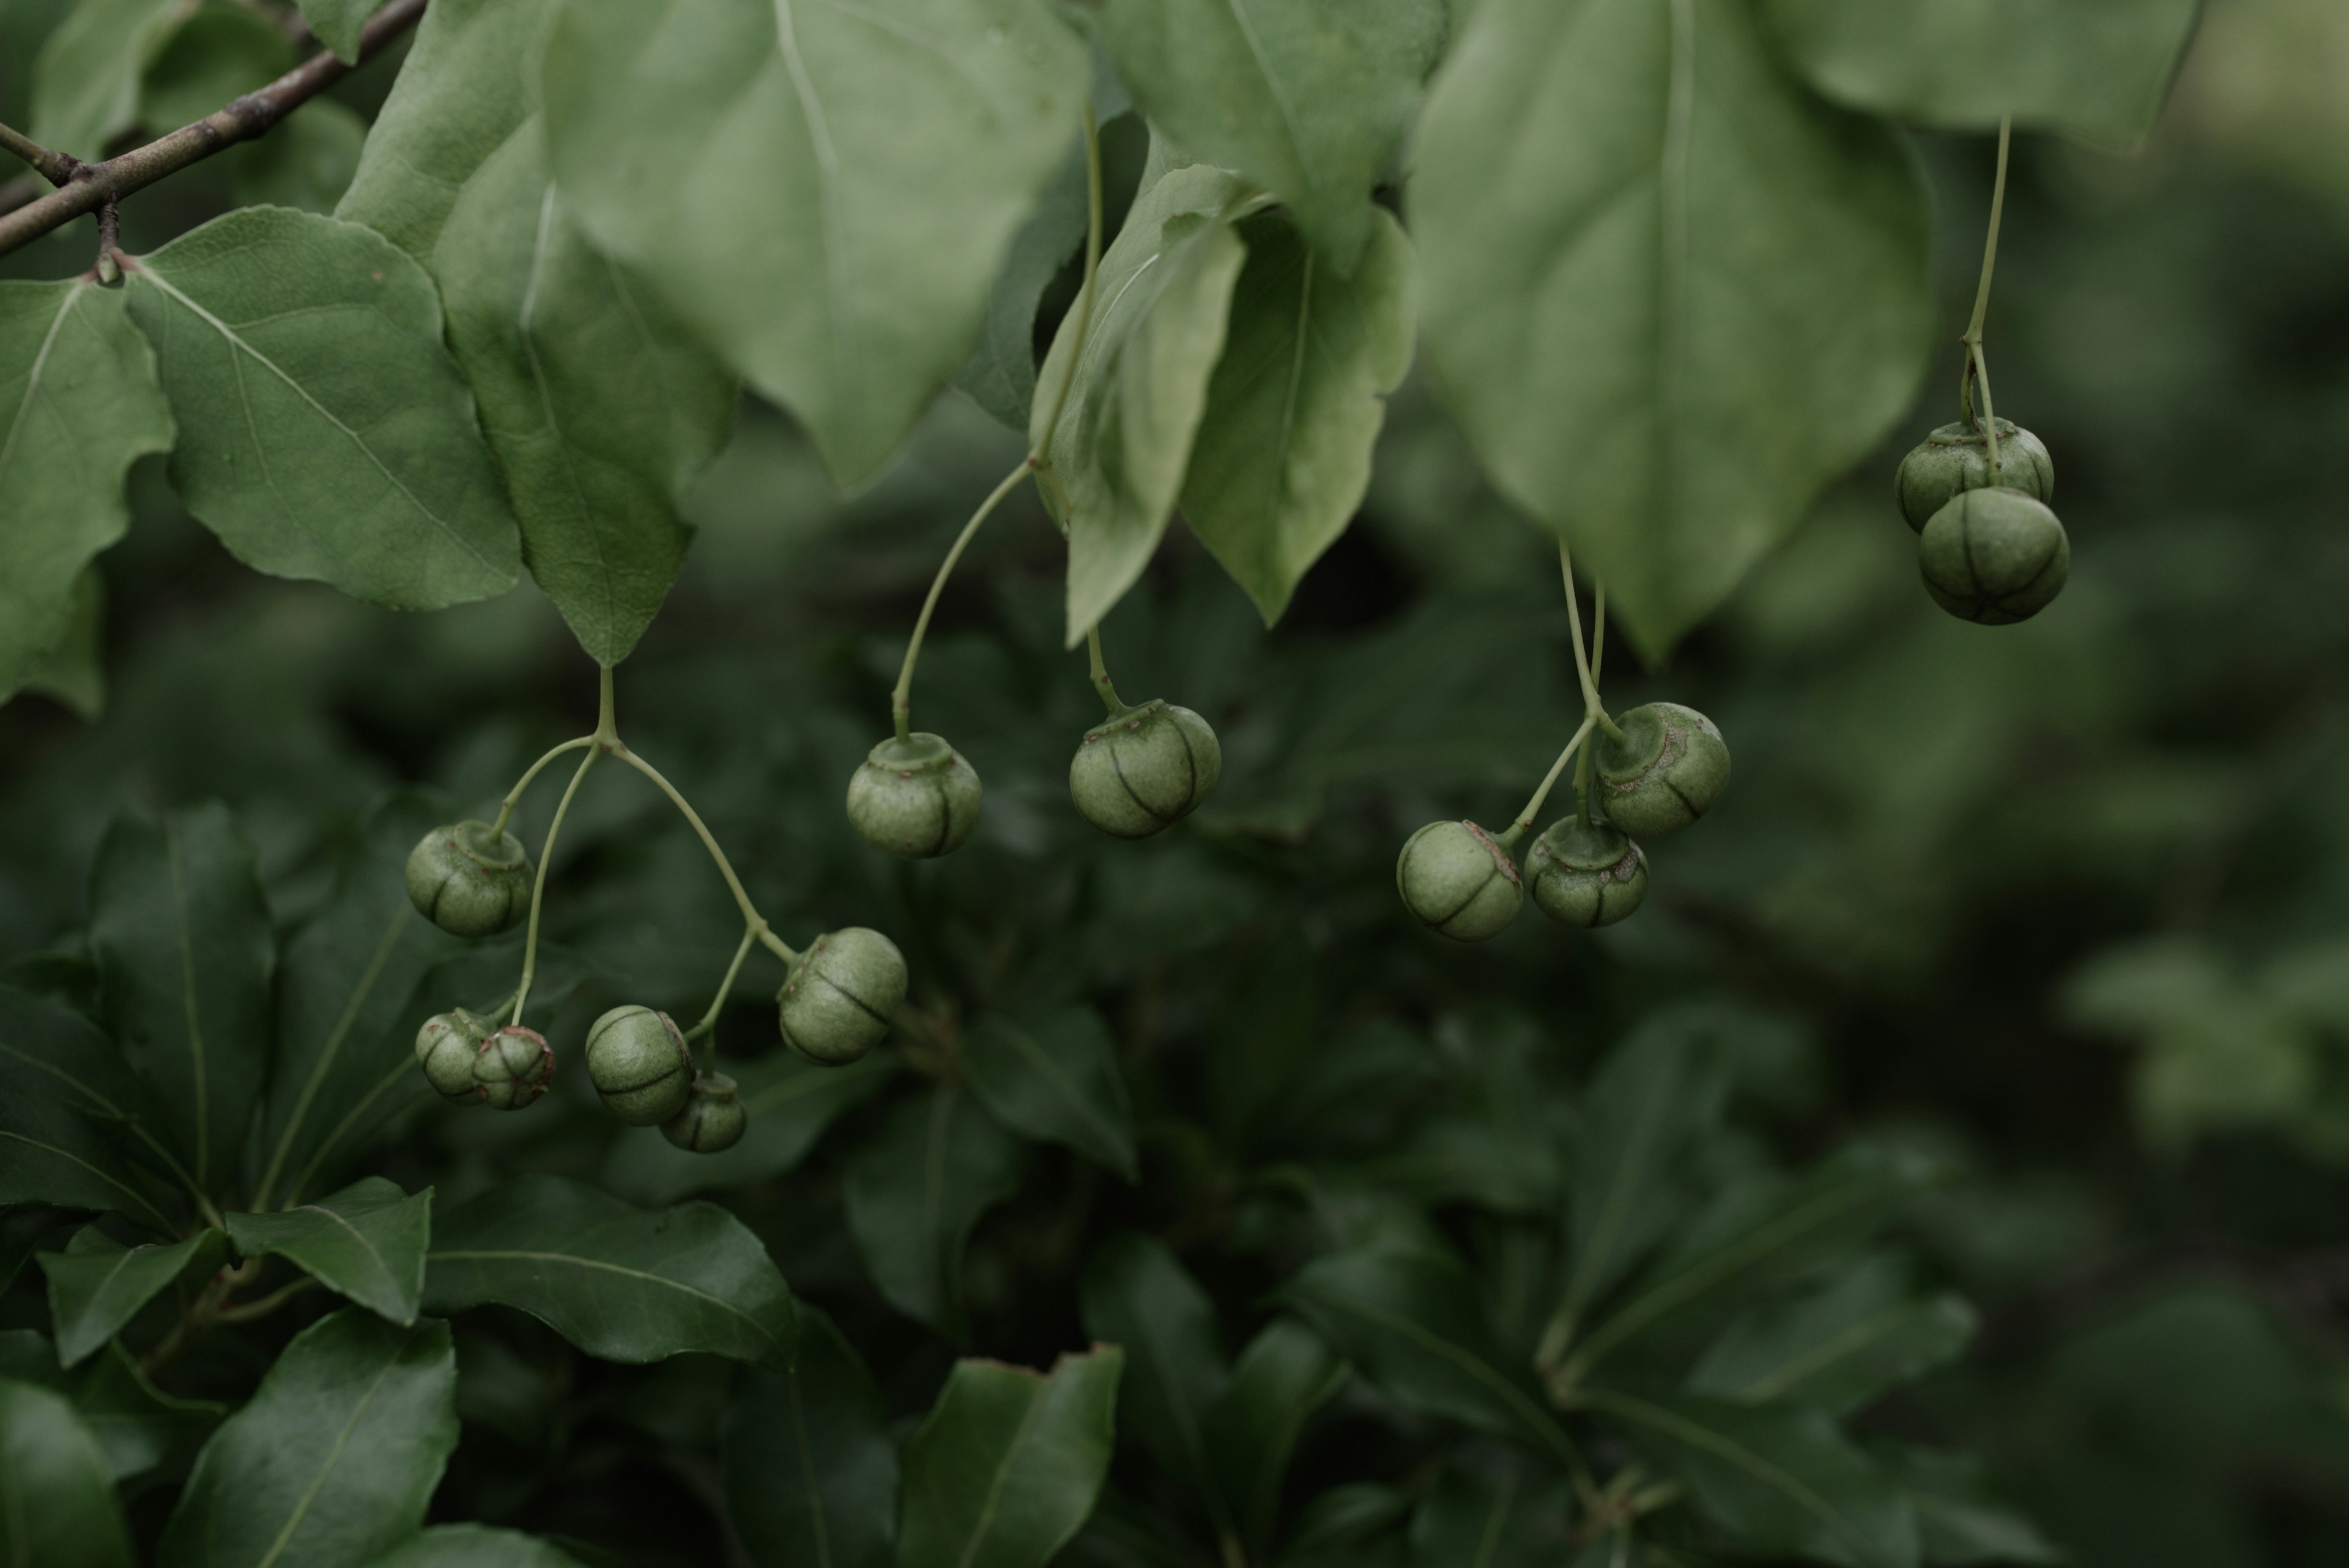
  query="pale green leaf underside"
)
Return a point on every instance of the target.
[
  {"x": 323, "y": 431},
  {"x": 338, "y": 22},
  {"x": 74, "y": 672},
  {"x": 821, "y": 188},
  {"x": 1668, "y": 292}
]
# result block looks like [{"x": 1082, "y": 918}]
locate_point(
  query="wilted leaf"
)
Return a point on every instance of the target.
[
  {"x": 366, "y": 1241},
  {"x": 1006, "y": 1466},
  {"x": 811, "y": 1471}
]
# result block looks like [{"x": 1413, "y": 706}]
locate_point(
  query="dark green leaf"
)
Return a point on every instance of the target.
[
  {"x": 1006, "y": 1466},
  {"x": 1497, "y": 1141},
  {"x": 626, "y": 1284},
  {"x": 214, "y": 54},
  {"x": 80, "y": 404},
  {"x": 1137, "y": 1295},
  {"x": 1776, "y": 1479},
  {"x": 1282, "y": 1376},
  {"x": 1000, "y": 374},
  {"x": 335, "y": 1458},
  {"x": 475, "y": 1547},
  {"x": 1668, "y": 292},
  {"x": 68, "y": 1056},
  {"x": 1165, "y": 289},
  {"x": 184, "y": 951},
  {"x": 913, "y": 1192},
  {"x": 74, "y": 672},
  {"x": 1411, "y": 1323},
  {"x": 52, "y": 1154},
  {"x": 2097, "y": 70},
  {"x": 97, "y": 1284},
  {"x": 26, "y": 1228},
  {"x": 338, "y": 22},
  {"x": 1838, "y": 1347},
  {"x": 1307, "y": 101},
  {"x": 138, "y": 1425},
  {"x": 325, "y": 432},
  {"x": 367, "y": 1241},
  {"x": 85, "y": 82},
  {"x": 822, "y": 192},
  {"x": 56, "y": 1494},
  {"x": 793, "y": 1103},
  {"x": 1493, "y": 1518},
  {"x": 1283, "y": 454},
  {"x": 1052, "y": 1073},
  {"x": 1959, "y": 1518},
  {"x": 811, "y": 1472},
  {"x": 1339, "y": 1526}
]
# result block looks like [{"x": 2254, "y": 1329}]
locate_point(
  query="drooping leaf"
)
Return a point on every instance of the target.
[
  {"x": 208, "y": 57},
  {"x": 1283, "y": 454},
  {"x": 626, "y": 1284},
  {"x": 1000, "y": 374},
  {"x": 1006, "y": 1466},
  {"x": 1668, "y": 294},
  {"x": 184, "y": 951},
  {"x": 80, "y": 404},
  {"x": 1411, "y": 1323},
  {"x": 57, "y": 1493},
  {"x": 811, "y": 1471},
  {"x": 2098, "y": 70},
  {"x": 1495, "y": 1519},
  {"x": 97, "y": 1284},
  {"x": 74, "y": 672},
  {"x": 475, "y": 1547},
  {"x": 913, "y": 1192},
  {"x": 1052, "y": 1074},
  {"x": 338, "y": 22},
  {"x": 1959, "y": 1520},
  {"x": 1838, "y": 1347},
  {"x": 138, "y": 1425},
  {"x": 1137, "y": 1295},
  {"x": 1283, "y": 1375},
  {"x": 367, "y": 1241},
  {"x": 822, "y": 192},
  {"x": 1306, "y": 100},
  {"x": 1163, "y": 292},
  {"x": 1775, "y": 1478},
  {"x": 85, "y": 80},
  {"x": 323, "y": 431}
]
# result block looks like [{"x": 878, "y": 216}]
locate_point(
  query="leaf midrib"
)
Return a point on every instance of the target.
[{"x": 485, "y": 1255}]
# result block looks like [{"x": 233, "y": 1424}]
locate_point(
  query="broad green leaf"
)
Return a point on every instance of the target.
[
  {"x": 811, "y": 1471},
  {"x": 1006, "y": 1466},
  {"x": 1838, "y": 1347},
  {"x": 793, "y": 1103},
  {"x": 1776, "y": 1479},
  {"x": 323, "y": 431},
  {"x": 334, "y": 1459},
  {"x": 2097, "y": 69},
  {"x": 475, "y": 1547},
  {"x": 1411, "y": 1323},
  {"x": 626, "y": 1284},
  {"x": 1137, "y": 1295},
  {"x": 601, "y": 410},
  {"x": 367, "y": 1241},
  {"x": 1000, "y": 374},
  {"x": 1164, "y": 287},
  {"x": 1959, "y": 1520},
  {"x": 184, "y": 951},
  {"x": 57, "y": 1493},
  {"x": 1283, "y": 454},
  {"x": 822, "y": 191},
  {"x": 1668, "y": 292},
  {"x": 85, "y": 81},
  {"x": 80, "y": 404},
  {"x": 97, "y": 1284},
  {"x": 138, "y": 1425},
  {"x": 1282, "y": 1376},
  {"x": 339, "y": 22},
  {"x": 70, "y": 1057},
  {"x": 1052, "y": 1074},
  {"x": 913, "y": 1192},
  {"x": 1493, "y": 1518},
  {"x": 51, "y": 1153},
  {"x": 74, "y": 672},
  {"x": 1307, "y": 100},
  {"x": 212, "y": 55}
]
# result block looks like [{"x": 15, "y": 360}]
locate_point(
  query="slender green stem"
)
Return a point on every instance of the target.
[
  {"x": 538, "y": 886},
  {"x": 506, "y": 806},
  {"x": 1533, "y": 807},
  {"x": 265, "y": 1305},
  {"x": 1989, "y": 414},
  {"x": 901, "y": 700},
  {"x": 1041, "y": 458},
  {"x": 1101, "y": 671},
  {"x": 1977, "y": 368},
  {"x": 750, "y": 916},
  {"x": 708, "y": 1023},
  {"x": 1582, "y": 787},
  {"x": 1598, "y": 638},
  {"x": 1590, "y": 703}
]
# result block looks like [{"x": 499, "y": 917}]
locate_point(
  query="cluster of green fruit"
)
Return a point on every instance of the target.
[
  {"x": 1989, "y": 546},
  {"x": 472, "y": 879}
]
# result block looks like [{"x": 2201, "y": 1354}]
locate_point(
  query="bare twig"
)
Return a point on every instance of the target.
[
  {"x": 54, "y": 167},
  {"x": 91, "y": 185}
]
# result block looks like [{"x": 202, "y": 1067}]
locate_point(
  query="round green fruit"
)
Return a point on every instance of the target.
[
  {"x": 1146, "y": 767},
  {"x": 1585, "y": 874},
  {"x": 915, "y": 798},
  {"x": 1994, "y": 557},
  {"x": 836, "y": 1002},
  {"x": 1956, "y": 459},
  {"x": 446, "y": 1048},
  {"x": 470, "y": 879},
  {"x": 1458, "y": 881},
  {"x": 712, "y": 1119},
  {"x": 513, "y": 1068},
  {"x": 1667, "y": 771},
  {"x": 639, "y": 1063}
]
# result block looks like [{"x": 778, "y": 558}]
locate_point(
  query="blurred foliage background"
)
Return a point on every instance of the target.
[{"x": 2067, "y": 904}]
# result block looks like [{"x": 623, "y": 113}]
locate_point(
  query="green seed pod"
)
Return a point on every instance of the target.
[
  {"x": 641, "y": 1065},
  {"x": 470, "y": 879},
  {"x": 1669, "y": 768},
  {"x": 1994, "y": 557},
  {"x": 1458, "y": 881},
  {"x": 915, "y": 798},
  {"x": 1145, "y": 768},
  {"x": 1955, "y": 458},
  {"x": 513, "y": 1068},
  {"x": 1586, "y": 875},
  {"x": 711, "y": 1117},
  {"x": 836, "y": 1002},
  {"x": 446, "y": 1048}
]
